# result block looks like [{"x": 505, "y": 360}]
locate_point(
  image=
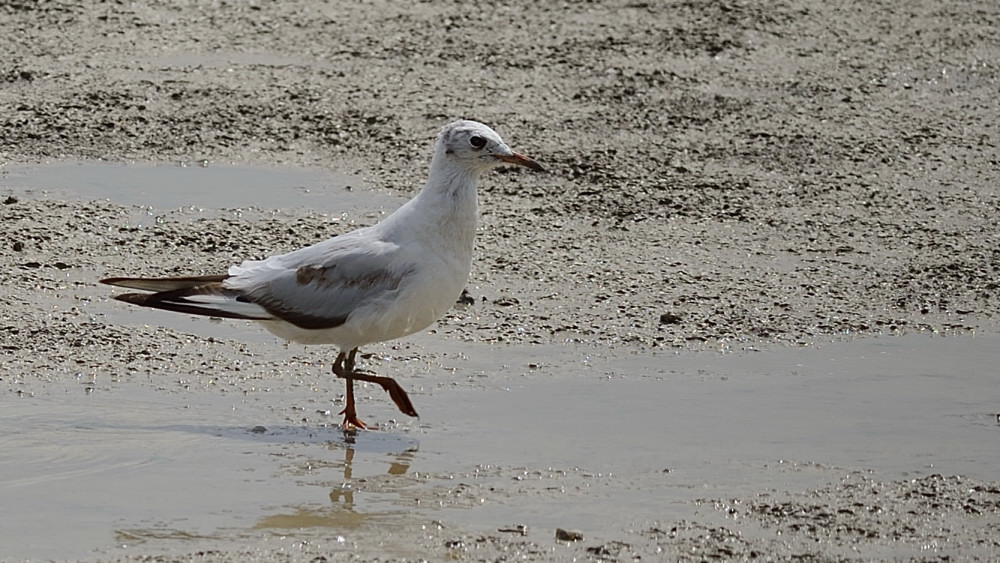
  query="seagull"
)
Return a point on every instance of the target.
[{"x": 369, "y": 285}]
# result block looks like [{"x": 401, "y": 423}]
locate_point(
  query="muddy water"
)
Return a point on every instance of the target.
[
  {"x": 596, "y": 439},
  {"x": 199, "y": 184},
  {"x": 543, "y": 437},
  {"x": 658, "y": 431}
]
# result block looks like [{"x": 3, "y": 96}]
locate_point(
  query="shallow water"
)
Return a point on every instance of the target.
[
  {"x": 212, "y": 186},
  {"x": 542, "y": 436},
  {"x": 602, "y": 441}
]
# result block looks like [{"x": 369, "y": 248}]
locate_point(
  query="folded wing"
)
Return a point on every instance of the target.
[
  {"x": 314, "y": 288},
  {"x": 320, "y": 287}
]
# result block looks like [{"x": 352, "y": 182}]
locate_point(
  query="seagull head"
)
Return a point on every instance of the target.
[{"x": 472, "y": 146}]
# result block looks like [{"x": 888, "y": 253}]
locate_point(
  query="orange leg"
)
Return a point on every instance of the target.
[
  {"x": 344, "y": 367},
  {"x": 351, "y": 419}
]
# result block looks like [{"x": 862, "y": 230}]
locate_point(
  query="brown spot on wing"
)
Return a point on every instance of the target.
[
  {"x": 306, "y": 275},
  {"x": 310, "y": 274},
  {"x": 351, "y": 291}
]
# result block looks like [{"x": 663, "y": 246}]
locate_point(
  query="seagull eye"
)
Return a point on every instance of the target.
[{"x": 477, "y": 142}]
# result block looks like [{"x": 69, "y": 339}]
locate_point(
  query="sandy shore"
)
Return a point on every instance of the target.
[{"x": 723, "y": 177}]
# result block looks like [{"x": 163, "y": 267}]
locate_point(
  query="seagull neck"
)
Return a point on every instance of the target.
[
  {"x": 451, "y": 182},
  {"x": 449, "y": 203}
]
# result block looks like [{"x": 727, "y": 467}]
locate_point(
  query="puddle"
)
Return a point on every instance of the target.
[
  {"x": 136, "y": 465},
  {"x": 669, "y": 429},
  {"x": 587, "y": 439},
  {"x": 214, "y": 186},
  {"x": 540, "y": 436}
]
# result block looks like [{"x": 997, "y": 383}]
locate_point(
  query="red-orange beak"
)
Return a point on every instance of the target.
[{"x": 521, "y": 160}]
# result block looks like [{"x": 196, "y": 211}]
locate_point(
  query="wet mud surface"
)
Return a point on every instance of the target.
[{"x": 724, "y": 177}]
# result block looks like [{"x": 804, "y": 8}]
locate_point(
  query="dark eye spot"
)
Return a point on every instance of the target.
[{"x": 477, "y": 142}]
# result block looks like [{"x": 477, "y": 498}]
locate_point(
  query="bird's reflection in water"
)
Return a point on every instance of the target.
[{"x": 345, "y": 512}]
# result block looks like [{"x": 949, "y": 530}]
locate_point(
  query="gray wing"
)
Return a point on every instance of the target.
[{"x": 320, "y": 286}]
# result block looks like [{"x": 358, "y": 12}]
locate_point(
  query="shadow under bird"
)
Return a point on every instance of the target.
[{"x": 369, "y": 285}]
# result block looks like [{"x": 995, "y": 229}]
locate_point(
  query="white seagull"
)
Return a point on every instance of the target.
[{"x": 369, "y": 285}]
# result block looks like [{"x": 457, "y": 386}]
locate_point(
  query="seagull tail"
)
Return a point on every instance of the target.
[{"x": 197, "y": 295}]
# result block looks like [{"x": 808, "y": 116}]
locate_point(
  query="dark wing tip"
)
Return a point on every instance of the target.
[
  {"x": 175, "y": 301},
  {"x": 164, "y": 284},
  {"x": 133, "y": 298}
]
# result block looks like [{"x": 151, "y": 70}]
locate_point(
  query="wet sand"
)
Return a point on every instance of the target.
[{"x": 733, "y": 187}]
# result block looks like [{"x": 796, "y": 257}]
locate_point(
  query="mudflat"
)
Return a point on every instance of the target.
[{"x": 730, "y": 183}]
